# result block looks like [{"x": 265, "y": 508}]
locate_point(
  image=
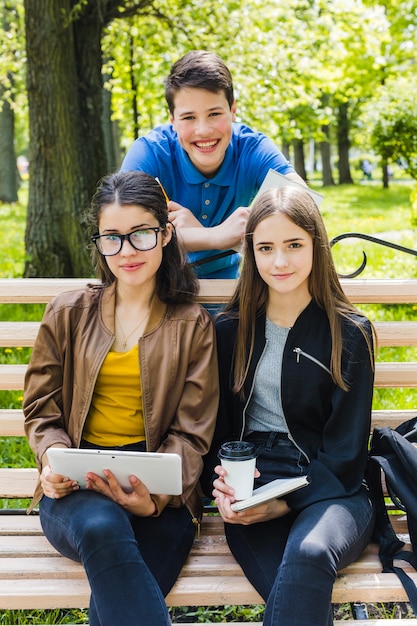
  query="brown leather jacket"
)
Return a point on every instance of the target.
[{"x": 178, "y": 369}]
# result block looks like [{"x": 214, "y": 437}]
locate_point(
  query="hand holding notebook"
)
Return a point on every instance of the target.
[{"x": 275, "y": 489}]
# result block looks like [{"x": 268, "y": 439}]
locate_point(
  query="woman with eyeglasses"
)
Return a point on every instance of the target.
[{"x": 129, "y": 363}]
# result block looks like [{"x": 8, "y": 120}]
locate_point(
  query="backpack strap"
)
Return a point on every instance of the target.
[
  {"x": 407, "y": 582},
  {"x": 384, "y": 535},
  {"x": 390, "y": 546}
]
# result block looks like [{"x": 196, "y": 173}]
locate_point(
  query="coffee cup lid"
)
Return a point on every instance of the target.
[{"x": 237, "y": 451}]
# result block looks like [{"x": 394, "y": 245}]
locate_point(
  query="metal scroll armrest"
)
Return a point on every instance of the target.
[{"x": 376, "y": 240}]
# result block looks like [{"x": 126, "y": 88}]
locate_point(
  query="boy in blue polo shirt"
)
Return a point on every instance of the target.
[{"x": 210, "y": 166}]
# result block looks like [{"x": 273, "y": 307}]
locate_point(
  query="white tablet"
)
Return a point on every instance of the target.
[
  {"x": 160, "y": 472},
  {"x": 275, "y": 489}
]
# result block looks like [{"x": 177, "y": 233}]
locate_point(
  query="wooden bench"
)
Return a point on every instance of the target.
[{"x": 34, "y": 576}]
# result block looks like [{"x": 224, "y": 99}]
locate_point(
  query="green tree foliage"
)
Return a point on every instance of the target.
[
  {"x": 394, "y": 134},
  {"x": 300, "y": 67},
  {"x": 394, "y": 131},
  {"x": 285, "y": 57}
]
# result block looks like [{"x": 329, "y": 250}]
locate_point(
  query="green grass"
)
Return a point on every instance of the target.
[
  {"x": 365, "y": 208},
  {"x": 383, "y": 213},
  {"x": 13, "y": 219},
  {"x": 57, "y": 616}
]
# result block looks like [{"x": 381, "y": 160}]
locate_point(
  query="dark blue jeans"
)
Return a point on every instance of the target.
[
  {"x": 293, "y": 560},
  {"x": 131, "y": 562}
]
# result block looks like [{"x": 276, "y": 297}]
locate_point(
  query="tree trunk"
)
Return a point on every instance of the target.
[
  {"x": 134, "y": 89},
  {"x": 285, "y": 149},
  {"x": 66, "y": 141},
  {"x": 87, "y": 35},
  {"x": 343, "y": 144},
  {"x": 299, "y": 160},
  {"x": 8, "y": 168},
  {"x": 110, "y": 133},
  {"x": 385, "y": 176},
  {"x": 327, "y": 175}
]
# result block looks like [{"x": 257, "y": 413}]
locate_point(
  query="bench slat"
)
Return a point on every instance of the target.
[
  {"x": 12, "y": 376},
  {"x": 56, "y": 567},
  {"x": 37, "y": 290},
  {"x": 376, "y": 587},
  {"x": 34, "y": 557},
  {"x": 383, "y": 291},
  {"x": 40, "y": 567},
  {"x": 20, "y": 525},
  {"x": 38, "y": 593},
  {"x": 18, "y": 334},
  {"x": 212, "y": 526},
  {"x": 11, "y": 423},
  {"x": 393, "y": 374},
  {"x": 209, "y": 554},
  {"x": 396, "y": 374},
  {"x": 23, "y": 334},
  {"x": 11, "y": 420},
  {"x": 33, "y": 290},
  {"x": 17, "y": 482},
  {"x": 396, "y": 333}
]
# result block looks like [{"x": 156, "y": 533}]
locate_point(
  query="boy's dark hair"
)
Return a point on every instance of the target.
[{"x": 202, "y": 70}]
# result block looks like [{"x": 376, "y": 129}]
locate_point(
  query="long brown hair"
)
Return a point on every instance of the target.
[{"x": 251, "y": 295}]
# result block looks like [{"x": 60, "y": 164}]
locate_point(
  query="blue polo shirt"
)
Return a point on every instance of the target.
[{"x": 248, "y": 158}]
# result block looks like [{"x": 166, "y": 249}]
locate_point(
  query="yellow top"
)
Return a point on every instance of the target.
[{"x": 116, "y": 416}]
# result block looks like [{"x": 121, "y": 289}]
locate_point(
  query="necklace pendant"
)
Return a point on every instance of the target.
[{"x": 124, "y": 345}]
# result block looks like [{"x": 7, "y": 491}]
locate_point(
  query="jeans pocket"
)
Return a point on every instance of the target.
[{"x": 282, "y": 460}]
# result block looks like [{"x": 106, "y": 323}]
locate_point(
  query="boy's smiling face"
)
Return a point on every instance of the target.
[{"x": 203, "y": 122}]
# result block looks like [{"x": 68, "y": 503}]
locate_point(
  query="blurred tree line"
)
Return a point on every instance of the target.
[{"x": 81, "y": 79}]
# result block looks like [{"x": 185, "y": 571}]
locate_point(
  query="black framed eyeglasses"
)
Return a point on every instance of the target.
[{"x": 143, "y": 239}]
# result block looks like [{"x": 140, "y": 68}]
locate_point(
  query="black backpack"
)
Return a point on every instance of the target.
[{"x": 393, "y": 452}]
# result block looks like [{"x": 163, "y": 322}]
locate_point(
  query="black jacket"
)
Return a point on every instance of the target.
[{"x": 330, "y": 426}]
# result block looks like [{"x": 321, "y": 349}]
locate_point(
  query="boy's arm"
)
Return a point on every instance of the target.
[{"x": 195, "y": 237}]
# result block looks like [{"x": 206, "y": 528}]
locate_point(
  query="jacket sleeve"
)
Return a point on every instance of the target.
[
  {"x": 338, "y": 467},
  {"x": 191, "y": 431},
  {"x": 227, "y": 416},
  {"x": 42, "y": 398}
]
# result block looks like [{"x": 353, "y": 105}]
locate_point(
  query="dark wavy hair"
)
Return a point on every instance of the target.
[
  {"x": 176, "y": 281},
  {"x": 199, "y": 69}
]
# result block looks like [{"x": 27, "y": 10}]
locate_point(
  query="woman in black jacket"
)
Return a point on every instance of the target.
[{"x": 296, "y": 371}]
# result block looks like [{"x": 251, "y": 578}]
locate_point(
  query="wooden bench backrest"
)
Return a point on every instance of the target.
[{"x": 360, "y": 291}]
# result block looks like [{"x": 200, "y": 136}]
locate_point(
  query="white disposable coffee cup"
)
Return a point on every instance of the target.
[{"x": 238, "y": 459}]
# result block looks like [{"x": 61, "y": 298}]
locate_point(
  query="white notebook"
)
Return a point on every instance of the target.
[
  {"x": 274, "y": 179},
  {"x": 275, "y": 489}
]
